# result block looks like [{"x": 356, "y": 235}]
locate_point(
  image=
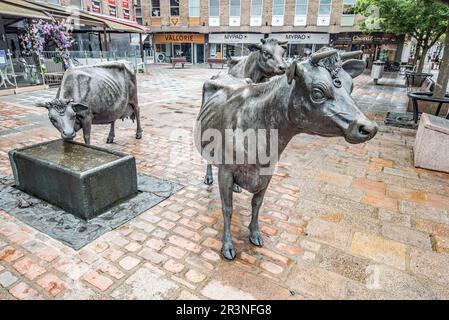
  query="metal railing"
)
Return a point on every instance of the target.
[{"x": 21, "y": 71}]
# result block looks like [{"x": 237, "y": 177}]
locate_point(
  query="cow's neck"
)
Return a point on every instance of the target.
[{"x": 275, "y": 109}]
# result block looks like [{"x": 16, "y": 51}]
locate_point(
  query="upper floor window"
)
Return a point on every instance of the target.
[
  {"x": 301, "y": 7},
  {"x": 234, "y": 8},
  {"x": 194, "y": 8},
  {"x": 325, "y": 8},
  {"x": 214, "y": 8},
  {"x": 174, "y": 7},
  {"x": 256, "y": 8},
  {"x": 347, "y": 18},
  {"x": 155, "y": 8},
  {"x": 278, "y": 7},
  {"x": 54, "y": 1},
  {"x": 76, "y": 3}
]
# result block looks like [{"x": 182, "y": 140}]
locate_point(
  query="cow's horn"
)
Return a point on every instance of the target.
[
  {"x": 281, "y": 43},
  {"x": 350, "y": 55},
  {"x": 317, "y": 56}
]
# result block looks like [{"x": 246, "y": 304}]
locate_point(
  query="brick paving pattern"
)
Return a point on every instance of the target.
[{"x": 339, "y": 221}]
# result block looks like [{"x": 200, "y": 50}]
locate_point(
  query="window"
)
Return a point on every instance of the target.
[
  {"x": 301, "y": 7},
  {"x": 325, "y": 8},
  {"x": 348, "y": 6},
  {"x": 54, "y": 1},
  {"x": 194, "y": 8},
  {"x": 278, "y": 7},
  {"x": 155, "y": 8},
  {"x": 256, "y": 8},
  {"x": 76, "y": 3},
  {"x": 347, "y": 18},
  {"x": 96, "y": 6},
  {"x": 234, "y": 8},
  {"x": 214, "y": 8},
  {"x": 174, "y": 7}
]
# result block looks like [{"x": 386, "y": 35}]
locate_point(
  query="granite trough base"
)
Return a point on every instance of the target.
[{"x": 71, "y": 230}]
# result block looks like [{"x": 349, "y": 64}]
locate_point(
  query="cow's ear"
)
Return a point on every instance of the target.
[
  {"x": 354, "y": 67},
  {"x": 79, "y": 107},
  {"x": 45, "y": 105}
]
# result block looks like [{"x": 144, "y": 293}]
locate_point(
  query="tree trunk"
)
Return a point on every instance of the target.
[
  {"x": 422, "y": 58},
  {"x": 443, "y": 75},
  {"x": 416, "y": 53}
]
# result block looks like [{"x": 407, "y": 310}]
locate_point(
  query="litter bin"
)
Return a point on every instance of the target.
[{"x": 377, "y": 70}]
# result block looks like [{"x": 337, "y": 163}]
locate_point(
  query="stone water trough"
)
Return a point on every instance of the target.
[{"x": 81, "y": 179}]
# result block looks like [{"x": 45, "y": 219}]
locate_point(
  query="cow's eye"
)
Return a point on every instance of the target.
[
  {"x": 317, "y": 94},
  {"x": 268, "y": 55}
]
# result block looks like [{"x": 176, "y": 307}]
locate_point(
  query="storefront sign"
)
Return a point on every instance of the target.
[
  {"x": 235, "y": 37},
  {"x": 178, "y": 38},
  {"x": 125, "y": 4},
  {"x": 310, "y": 38},
  {"x": 360, "y": 38}
]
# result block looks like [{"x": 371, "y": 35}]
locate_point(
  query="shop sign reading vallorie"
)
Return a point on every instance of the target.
[{"x": 178, "y": 38}]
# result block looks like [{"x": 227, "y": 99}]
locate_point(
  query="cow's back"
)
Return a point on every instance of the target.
[{"x": 107, "y": 89}]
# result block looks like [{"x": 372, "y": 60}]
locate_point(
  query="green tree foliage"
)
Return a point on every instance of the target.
[{"x": 424, "y": 20}]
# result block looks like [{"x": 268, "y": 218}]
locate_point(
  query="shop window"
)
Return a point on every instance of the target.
[
  {"x": 214, "y": 13},
  {"x": 96, "y": 6},
  {"x": 324, "y": 13},
  {"x": 347, "y": 18},
  {"x": 278, "y": 13},
  {"x": 155, "y": 8},
  {"x": 174, "y": 8},
  {"x": 234, "y": 13},
  {"x": 194, "y": 8},
  {"x": 301, "y": 12}
]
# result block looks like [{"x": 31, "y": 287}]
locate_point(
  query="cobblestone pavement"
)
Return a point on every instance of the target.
[{"x": 339, "y": 221}]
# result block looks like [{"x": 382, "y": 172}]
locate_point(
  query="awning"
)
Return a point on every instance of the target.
[
  {"x": 42, "y": 10},
  {"x": 16, "y": 9}
]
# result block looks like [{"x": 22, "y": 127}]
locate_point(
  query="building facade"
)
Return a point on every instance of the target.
[{"x": 201, "y": 29}]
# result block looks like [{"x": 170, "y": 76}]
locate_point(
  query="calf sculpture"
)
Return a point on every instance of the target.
[
  {"x": 314, "y": 97},
  {"x": 264, "y": 62},
  {"x": 97, "y": 94}
]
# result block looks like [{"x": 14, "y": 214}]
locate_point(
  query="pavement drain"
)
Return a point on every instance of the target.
[{"x": 75, "y": 232}]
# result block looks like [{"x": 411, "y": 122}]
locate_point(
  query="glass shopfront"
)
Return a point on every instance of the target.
[
  {"x": 302, "y": 44},
  {"x": 170, "y": 45},
  {"x": 226, "y": 45}
]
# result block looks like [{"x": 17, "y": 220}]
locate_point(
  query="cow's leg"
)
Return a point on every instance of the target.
[
  {"x": 111, "y": 134},
  {"x": 139, "y": 127},
  {"x": 254, "y": 233},
  {"x": 225, "y": 182},
  {"x": 208, "y": 178},
  {"x": 86, "y": 124}
]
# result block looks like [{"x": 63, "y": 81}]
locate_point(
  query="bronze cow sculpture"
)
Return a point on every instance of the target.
[
  {"x": 97, "y": 94},
  {"x": 263, "y": 63},
  {"x": 313, "y": 97}
]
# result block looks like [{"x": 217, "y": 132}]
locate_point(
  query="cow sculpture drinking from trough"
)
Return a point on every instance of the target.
[
  {"x": 263, "y": 63},
  {"x": 97, "y": 94},
  {"x": 314, "y": 97}
]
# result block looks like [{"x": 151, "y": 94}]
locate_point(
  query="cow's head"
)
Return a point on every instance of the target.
[
  {"x": 322, "y": 102},
  {"x": 63, "y": 115},
  {"x": 270, "y": 58}
]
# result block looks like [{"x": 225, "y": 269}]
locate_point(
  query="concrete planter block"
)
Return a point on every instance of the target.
[
  {"x": 431, "y": 148},
  {"x": 81, "y": 179}
]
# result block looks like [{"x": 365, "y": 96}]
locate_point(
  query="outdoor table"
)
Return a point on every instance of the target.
[{"x": 426, "y": 96}]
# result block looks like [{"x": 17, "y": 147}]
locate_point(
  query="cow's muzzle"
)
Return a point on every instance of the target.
[
  {"x": 360, "y": 131},
  {"x": 68, "y": 135}
]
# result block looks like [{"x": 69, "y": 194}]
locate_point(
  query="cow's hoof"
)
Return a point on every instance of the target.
[
  {"x": 236, "y": 188},
  {"x": 256, "y": 239},
  {"x": 139, "y": 135},
  {"x": 110, "y": 140},
  {"x": 208, "y": 180},
  {"x": 228, "y": 251}
]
